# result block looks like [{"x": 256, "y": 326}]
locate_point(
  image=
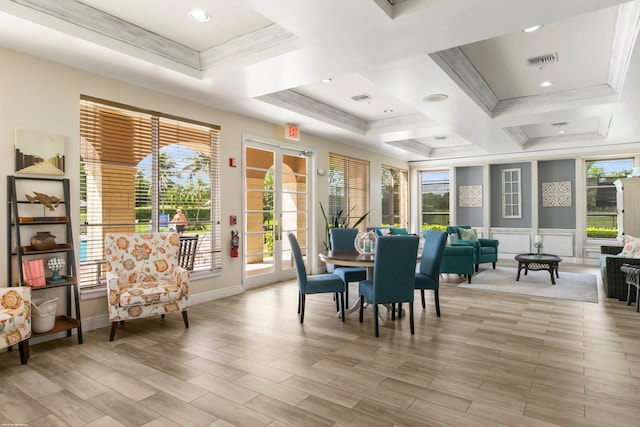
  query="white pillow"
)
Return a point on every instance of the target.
[{"x": 631, "y": 247}]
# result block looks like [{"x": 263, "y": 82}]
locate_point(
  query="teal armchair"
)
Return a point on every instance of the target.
[
  {"x": 485, "y": 250},
  {"x": 459, "y": 260}
]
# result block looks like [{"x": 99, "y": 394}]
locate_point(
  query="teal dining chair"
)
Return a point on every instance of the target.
[
  {"x": 343, "y": 238},
  {"x": 315, "y": 284},
  {"x": 428, "y": 275},
  {"x": 394, "y": 270}
]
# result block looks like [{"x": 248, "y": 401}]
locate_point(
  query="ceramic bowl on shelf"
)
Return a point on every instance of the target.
[{"x": 43, "y": 241}]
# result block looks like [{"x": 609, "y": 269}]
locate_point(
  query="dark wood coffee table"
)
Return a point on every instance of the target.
[{"x": 535, "y": 262}]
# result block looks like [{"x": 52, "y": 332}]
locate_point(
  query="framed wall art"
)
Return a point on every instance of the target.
[
  {"x": 39, "y": 153},
  {"x": 556, "y": 194},
  {"x": 470, "y": 196}
]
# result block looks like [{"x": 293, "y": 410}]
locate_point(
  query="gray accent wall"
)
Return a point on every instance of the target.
[
  {"x": 471, "y": 175},
  {"x": 557, "y": 171},
  {"x": 495, "y": 179}
]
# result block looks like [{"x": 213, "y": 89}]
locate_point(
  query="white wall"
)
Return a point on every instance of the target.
[{"x": 42, "y": 96}]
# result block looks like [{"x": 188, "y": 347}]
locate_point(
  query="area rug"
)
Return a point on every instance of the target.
[{"x": 572, "y": 286}]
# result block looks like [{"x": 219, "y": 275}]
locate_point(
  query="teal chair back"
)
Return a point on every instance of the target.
[
  {"x": 301, "y": 270},
  {"x": 432, "y": 253},
  {"x": 428, "y": 276},
  {"x": 315, "y": 284},
  {"x": 394, "y": 269},
  {"x": 343, "y": 238},
  {"x": 393, "y": 281}
]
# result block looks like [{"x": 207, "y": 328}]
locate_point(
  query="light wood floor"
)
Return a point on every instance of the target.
[{"x": 491, "y": 359}]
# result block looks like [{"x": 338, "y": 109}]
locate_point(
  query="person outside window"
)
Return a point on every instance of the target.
[{"x": 180, "y": 221}]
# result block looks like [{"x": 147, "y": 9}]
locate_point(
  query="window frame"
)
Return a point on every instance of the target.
[
  {"x": 508, "y": 205},
  {"x": 422, "y": 184},
  {"x": 101, "y": 133},
  {"x": 618, "y": 215}
]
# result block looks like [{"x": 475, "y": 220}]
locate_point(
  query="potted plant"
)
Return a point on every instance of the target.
[{"x": 339, "y": 220}]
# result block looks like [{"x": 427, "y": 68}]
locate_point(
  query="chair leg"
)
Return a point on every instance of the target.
[
  {"x": 302, "y": 297},
  {"x": 186, "y": 319},
  {"x": 393, "y": 310},
  {"x": 346, "y": 293},
  {"x": 337, "y": 298},
  {"x": 162, "y": 316},
  {"x": 628, "y": 293},
  {"x": 422, "y": 297},
  {"x": 399, "y": 310},
  {"x": 469, "y": 277},
  {"x": 477, "y": 265},
  {"x": 494, "y": 265},
  {"x": 24, "y": 351},
  {"x": 299, "y": 301},
  {"x": 361, "y": 307},
  {"x": 114, "y": 326},
  {"x": 375, "y": 318},
  {"x": 343, "y": 306},
  {"x": 411, "y": 318},
  {"x": 435, "y": 296}
]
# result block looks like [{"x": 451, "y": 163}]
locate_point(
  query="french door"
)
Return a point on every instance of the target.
[{"x": 276, "y": 201}]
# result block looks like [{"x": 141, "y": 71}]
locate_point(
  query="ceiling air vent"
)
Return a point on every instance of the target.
[
  {"x": 559, "y": 124},
  {"x": 539, "y": 61},
  {"x": 439, "y": 138},
  {"x": 363, "y": 97}
]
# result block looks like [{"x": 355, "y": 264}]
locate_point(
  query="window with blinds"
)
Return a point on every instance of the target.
[
  {"x": 395, "y": 190},
  {"x": 137, "y": 168},
  {"x": 348, "y": 188},
  {"x": 434, "y": 198}
]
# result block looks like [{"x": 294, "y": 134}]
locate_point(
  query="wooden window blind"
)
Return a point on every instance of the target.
[
  {"x": 137, "y": 168},
  {"x": 348, "y": 188},
  {"x": 395, "y": 201}
]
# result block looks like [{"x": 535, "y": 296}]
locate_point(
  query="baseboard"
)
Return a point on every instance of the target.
[{"x": 102, "y": 320}]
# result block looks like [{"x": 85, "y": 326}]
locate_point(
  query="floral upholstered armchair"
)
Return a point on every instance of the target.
[
  {"x": 144, "y": 277},
  {"x": 15, "y": 319}
]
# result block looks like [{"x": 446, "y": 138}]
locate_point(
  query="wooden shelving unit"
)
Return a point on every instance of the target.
[{"x": 22, "y": 221}]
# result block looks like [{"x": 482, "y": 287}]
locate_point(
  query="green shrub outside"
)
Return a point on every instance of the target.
[
  {"x": 438, "y": 227},
  {"x": 602, "y": 233}
]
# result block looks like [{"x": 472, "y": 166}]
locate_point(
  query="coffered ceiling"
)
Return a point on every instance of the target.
[{"x": 414, "y": 79}]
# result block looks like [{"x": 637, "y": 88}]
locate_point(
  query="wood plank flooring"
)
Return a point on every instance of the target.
[{"x": 492, "y": 359}]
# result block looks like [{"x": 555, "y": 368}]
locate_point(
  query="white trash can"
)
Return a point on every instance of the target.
[{"x": 43, "y": 315}]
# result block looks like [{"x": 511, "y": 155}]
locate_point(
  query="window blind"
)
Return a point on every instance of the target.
[
  {"x": 137, "y": 168},
  {"x": 348, "y": 188},
  {"x": 395, "y": 188}
]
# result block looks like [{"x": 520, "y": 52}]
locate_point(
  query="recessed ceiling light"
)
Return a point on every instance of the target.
[
  {"x": 545, "y": 84},
  {"x": 436, "y": 97},
  {"x": 531, "y": 29},
  {"x": 388, "y": 110},
  {"x": 327, "y": 80},
  {"x": 199, "y": 15},
  {"x": 562, "y": 131}
]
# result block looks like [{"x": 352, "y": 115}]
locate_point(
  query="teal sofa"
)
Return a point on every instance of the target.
[{"x": 485, "y": 250}]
